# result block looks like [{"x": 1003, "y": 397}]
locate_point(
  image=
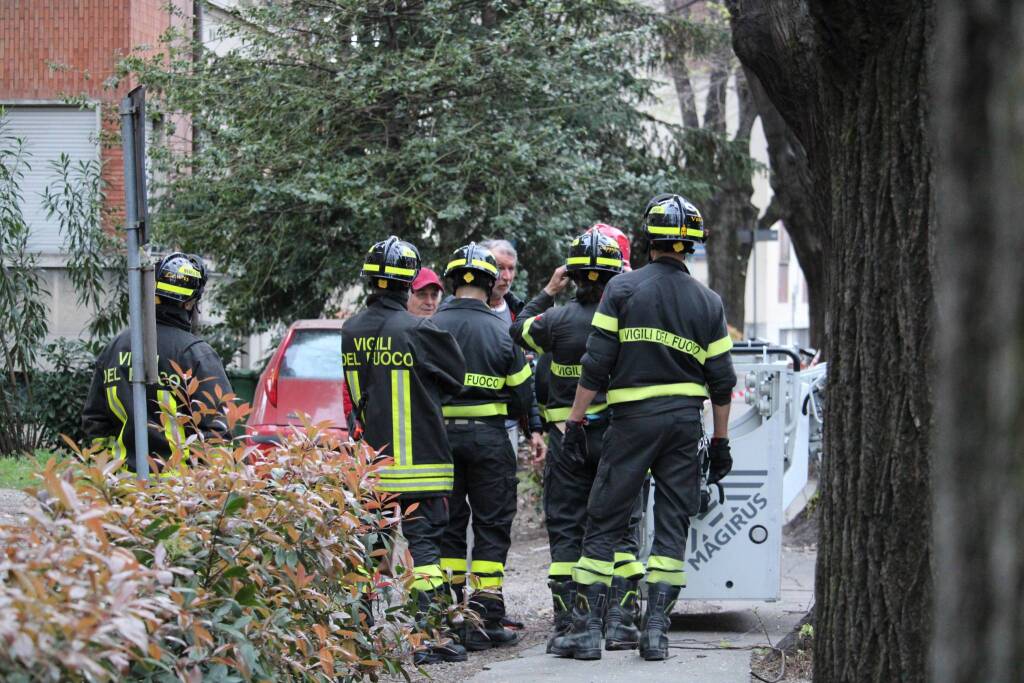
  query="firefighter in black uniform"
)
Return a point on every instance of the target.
[
  {"x": 498, "y": 386},
  {"x": 660, "y": 347},
  {"x": 562, "y": 332},
  {"x": 107, "y": 414},
  {"x": 399, "y": 369}
]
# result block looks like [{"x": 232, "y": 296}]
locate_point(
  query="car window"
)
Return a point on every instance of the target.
[{"x": 313, "y": 354}]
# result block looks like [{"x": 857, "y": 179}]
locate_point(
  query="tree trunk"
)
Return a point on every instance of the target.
[
  {"x": 793, "y": 204},
  {"x": 979, "y": 436},
  {"x": 728, "y": 213},
  {"x": 849, "y": 78}
]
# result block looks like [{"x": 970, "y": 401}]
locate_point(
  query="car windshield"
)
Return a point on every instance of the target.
[{"x": 313, "y": 354}]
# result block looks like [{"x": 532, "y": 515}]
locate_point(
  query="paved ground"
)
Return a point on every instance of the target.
[
  {"x": 11, "y": 504},
  {"x": 711, "y": 642}
]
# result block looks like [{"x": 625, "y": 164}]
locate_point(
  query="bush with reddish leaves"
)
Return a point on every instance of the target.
[{"x": 223, "y": 571}]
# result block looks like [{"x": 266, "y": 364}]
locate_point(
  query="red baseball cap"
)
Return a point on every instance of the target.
[{"x": 425, "y": 278}]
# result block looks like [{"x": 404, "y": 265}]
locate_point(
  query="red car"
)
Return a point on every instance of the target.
[{"x": 303, "y": 376}]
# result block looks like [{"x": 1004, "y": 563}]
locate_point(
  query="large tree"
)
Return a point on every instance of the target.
[
  {"x": 715, "y": 153},
  {"x": 850, "y": 78},
  {"x": 979, "y": 441},
  {"x": 339, "y": 122}
]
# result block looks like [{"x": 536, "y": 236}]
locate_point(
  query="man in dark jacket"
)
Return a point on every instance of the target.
[
  {"x": 107, "y": 414},
  {"x": 497, "y": 387},
  {"x": 562, "y": 333},
  {"x": 399, "y": 368},
  {"x": 659, "y": 349}
]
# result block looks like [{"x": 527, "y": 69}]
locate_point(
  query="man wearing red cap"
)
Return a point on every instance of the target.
[{"x": 426, "y": 294}]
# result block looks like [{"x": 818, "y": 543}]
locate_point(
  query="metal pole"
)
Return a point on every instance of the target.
[
  {"x": 137, "y": 374},
  {"x": 753, "y": 248}
]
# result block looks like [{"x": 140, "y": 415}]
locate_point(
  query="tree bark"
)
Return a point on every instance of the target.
[
  {"x": 793, "y": 204},
  {"x": 849, "y": 79},
  {"x": 979, "y": 436},
  {"x": 730, "y": 211}
]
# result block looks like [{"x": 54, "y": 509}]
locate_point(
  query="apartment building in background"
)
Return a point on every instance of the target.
[{"x": 53, "y": 50}]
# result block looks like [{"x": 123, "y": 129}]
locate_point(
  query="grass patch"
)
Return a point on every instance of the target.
[{"x": 16, "y": 470}]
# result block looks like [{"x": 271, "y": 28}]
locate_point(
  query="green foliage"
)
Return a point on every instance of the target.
[
  {"x": 22, "y": 311},
  {"x": 96, "y": 265},
  {"x": 60, "y": 387},
  {"x": 335, "y": 124},
  {"x": 225, "y": 570}
]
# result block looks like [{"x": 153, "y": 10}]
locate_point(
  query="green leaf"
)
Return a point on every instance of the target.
[
  {"x": 235, "y": 572},
  {"x": 246, "y": 595},
  {"x": 166, "y": 532},
  {"x": 235, "y": 503}
]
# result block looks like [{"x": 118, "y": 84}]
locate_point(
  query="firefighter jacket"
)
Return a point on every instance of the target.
[
  {"x": 659, "y": 342},
  {"x": 562, "y": 332},
  {"x": 107, "y": 413},
  {"x": 399, "y": 369},
  {"x": 497, "y": 380}
]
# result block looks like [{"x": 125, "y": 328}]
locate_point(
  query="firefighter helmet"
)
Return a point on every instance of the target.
[
  {"x": 672, "y": 219},
  {"x": 472, "y": 265},
  {"x": 180, "y": 277},
  {"x": 620, "y": 238},
  {"x": 391, "y": 260},
  {"x": 593, "y": 255}
]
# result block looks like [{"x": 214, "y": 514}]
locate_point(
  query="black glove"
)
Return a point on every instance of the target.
[
  {"x": 721, "y": 460},
  {"x": 574, "y": 443}
]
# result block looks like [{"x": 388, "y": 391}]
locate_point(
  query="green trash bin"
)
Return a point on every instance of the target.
[{"x": 244, "y": 383}]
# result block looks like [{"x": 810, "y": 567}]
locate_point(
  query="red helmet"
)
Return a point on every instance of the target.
[{"x": 618, "y": 236}]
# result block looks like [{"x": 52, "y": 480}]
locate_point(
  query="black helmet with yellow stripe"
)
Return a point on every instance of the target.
[
  {"x": 180, "y": 278},
  {"x": 472, "y": 265},
  {"x": 671, "y": 222},
  {"x": 391, "y": 261},
  {"x": 593, "y": 256}
]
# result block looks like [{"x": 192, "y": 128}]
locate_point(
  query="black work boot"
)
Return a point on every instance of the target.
[
  {"x": 563, "y": 595},
  {"x": 654, "y": 638},
  {"x": 620, "y": 631},
  {"x": 583, "y": 641},
  {"x": 492, "y": 631},
  {"x": 430, "y": 604}
]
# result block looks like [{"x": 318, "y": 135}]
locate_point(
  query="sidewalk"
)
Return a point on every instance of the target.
[{"x": 703, "y": 635}]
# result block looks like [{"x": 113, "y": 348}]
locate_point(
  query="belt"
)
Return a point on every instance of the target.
[
  {"x": 463, "y": 421},
  {"x": 593, "y": 419}
]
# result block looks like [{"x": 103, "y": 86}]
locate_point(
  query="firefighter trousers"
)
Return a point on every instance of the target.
[
  {"x": 422, "y": 528},
  {"x": 667, "y": 444},
  {"x": 484, "y": 490},
  {"x": 566, "y": 491}
]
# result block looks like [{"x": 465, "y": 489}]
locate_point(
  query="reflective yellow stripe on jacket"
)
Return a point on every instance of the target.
[
  {"x": 481, "y": 410},
  {"x": 568, "y": 371},
  {"x": 437, "y": 477},
  {"x": 673, "y": 341},
  {"x": 401, "y": 418},
  {"x": 529, "y": 339},
  {"x": 562, "y": 414},
  {"x": 655, "y": 391},
  {"x": 117, "y": 408}
]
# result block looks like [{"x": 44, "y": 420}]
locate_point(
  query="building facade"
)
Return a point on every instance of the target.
[{"x": 51, "y": 52}]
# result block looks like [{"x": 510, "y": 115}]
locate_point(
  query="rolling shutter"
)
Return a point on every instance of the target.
[{"x": 48, "y": 131}]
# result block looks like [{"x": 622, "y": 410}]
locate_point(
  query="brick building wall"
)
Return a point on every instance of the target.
[{"x": 86, "y": 38}]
